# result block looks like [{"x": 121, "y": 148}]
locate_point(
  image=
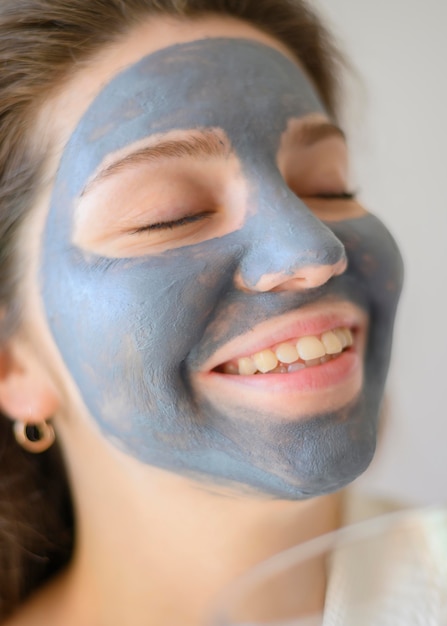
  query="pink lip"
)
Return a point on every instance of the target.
[
  {"x": 291, "y": 396},
  {"x": 313, "y": 320}
]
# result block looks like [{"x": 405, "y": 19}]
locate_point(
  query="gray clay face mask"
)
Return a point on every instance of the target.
[{"x": 133, "y": 331}]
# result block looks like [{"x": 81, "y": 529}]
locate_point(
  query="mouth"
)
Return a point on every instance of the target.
[
  {"x": 293, "y": 355},
  {"x": 302, "y": 363}
]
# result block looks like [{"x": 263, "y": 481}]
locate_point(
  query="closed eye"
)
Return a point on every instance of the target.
[
  {"x": 345, "y": 195},
  {"x": 170, "y": 225}
]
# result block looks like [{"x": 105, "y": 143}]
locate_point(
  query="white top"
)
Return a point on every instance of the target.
[{"x": 396, "y": 575}]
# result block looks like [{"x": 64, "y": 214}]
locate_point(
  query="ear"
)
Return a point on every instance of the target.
[{"x": 26, "y": 390}]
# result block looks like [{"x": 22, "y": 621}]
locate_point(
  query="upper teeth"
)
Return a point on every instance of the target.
[{"x": 293, "y": 355}]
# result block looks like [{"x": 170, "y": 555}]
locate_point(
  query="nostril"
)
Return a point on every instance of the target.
[
  {"x": 286, "y": 264},
  {"x": 316, "y": 276},
  {"x": 309, "y": 277}
]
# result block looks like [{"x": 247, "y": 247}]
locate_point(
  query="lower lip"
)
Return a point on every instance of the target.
[
  {"x": 315, "y": 390},
  {"x": 315, "y": 378}
]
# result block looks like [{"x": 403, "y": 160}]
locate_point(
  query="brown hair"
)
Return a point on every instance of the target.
[{"x": 41, "y": 42}]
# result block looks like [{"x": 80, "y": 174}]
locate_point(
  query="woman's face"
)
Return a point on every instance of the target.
[{"x": 197, "y": 232}]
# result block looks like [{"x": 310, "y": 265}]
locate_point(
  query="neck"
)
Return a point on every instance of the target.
[{"x": 156, "y": 548}]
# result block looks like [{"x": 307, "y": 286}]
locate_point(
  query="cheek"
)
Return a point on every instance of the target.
[
  {"x": 133, "y": 320},
  {"x": 375, "y": 265},
  {"x": 373, "y": 256}
]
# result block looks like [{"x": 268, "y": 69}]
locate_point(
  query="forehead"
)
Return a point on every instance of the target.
[{"x": 246, "y": 88}]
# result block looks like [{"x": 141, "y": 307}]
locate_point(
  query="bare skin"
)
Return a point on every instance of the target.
[
  {"x": 152, "y": 547},
  {"x": 201, "y": 542}
]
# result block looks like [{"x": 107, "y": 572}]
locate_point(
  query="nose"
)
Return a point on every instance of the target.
[{"x": 288, "y": 248}]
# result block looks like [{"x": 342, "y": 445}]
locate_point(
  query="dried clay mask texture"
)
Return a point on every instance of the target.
[{"x": 133, "y": 331}]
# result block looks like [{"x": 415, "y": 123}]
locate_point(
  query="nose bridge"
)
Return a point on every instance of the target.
[{"x": 287, "y": 242}]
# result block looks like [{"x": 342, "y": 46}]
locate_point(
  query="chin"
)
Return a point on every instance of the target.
[{"x": 293, "y": 460}]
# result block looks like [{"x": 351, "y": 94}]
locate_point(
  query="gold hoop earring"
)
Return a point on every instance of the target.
[{"x": 34, "y": 438}]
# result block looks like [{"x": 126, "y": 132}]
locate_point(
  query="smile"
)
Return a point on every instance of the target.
[
  {"x": 293, "y": 355},
  {"x": 313, "y": 358}
]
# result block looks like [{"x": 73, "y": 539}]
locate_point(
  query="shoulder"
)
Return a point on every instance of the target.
[{"x": 381, "y": 561}]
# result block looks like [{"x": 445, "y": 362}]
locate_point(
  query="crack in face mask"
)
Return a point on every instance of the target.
[{"x": 133, "y": 331}]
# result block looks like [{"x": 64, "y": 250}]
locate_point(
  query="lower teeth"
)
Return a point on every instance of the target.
[
  {"x": 325, "y": 359},
  {"x": 296, "y": 367},
  {"x": 312, "y": 362},
  {"x": 301, "y": 365}
]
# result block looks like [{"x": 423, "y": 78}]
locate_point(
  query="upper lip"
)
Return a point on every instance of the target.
[{"x": 311, "y": 320}]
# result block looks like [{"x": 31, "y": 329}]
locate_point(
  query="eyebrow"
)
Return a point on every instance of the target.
[
  {"x": 203, "y": 145},
  {"x": 312, "y": 133}
]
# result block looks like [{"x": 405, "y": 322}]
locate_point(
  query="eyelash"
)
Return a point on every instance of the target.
[
  {"x": 345, "y": 195},
  {"x": 190, "y": 219}
]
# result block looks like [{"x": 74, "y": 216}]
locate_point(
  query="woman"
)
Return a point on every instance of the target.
[{"x": 191, "y": 296}]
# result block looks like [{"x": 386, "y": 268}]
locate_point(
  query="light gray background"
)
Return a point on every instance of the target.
[{"x": 396, "y": 118}]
